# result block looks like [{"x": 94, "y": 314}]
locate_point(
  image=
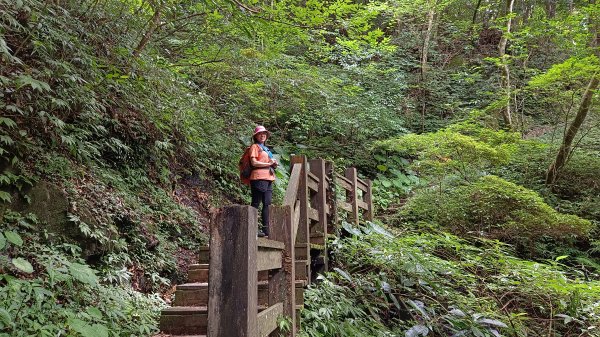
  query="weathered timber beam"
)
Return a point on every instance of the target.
[
  {"x": 267, "y": 243},
  {"x": 232, "y": 286},
  {"x": 313, "y": 185},
  {"x": 313, "y": 214},
  {"x": 362, "y": 185},
  {"x": 344, "y": 182},
  {"x": 268, "y": 259},
  {"x": 291, "y": 193},
  {"x": 267, "y": 319},
  {"x": 345, "y": 206}
]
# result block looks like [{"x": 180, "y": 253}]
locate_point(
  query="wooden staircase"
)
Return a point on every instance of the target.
[
  {"x": 189, "y": 314},
  {"x": 243, "y": 284}
]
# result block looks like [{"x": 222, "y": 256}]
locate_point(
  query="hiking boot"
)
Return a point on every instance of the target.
[{"x": 261, "y": 234}]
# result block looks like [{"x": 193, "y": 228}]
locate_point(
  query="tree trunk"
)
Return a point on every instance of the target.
[
  {"x": 426, "y": 41},
  {"x": 550, "y": 9},
  {"x": 565, "y": 148},
  {"x": 154, "y": 23},
  {"x": 475, "y": 12},
  {"x": 506, "y": 112}
]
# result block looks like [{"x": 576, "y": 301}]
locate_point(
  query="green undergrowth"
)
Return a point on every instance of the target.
[
  {"x": 419, "y": 282},
  {"x": 495, "y": 208},
  {"x": 48, "y": 289}
]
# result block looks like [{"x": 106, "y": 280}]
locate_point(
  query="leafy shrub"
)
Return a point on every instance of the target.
[
  {"x": 336, "y": 309},
  {"x": 48, "y": 290},
  {"x": 420, "y": 283},
  {"x": 495, "y": 208},
  {"x": 451, "y": 154}
]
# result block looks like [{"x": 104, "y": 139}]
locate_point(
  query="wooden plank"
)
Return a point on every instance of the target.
[
  {"x": 313, "y": 214},
  {"x": 331, "y": 196},
  {"x": 351, "y": 175},
  {"x": 302, "y": 251},
  {"x": 232, "y": 287},
  {"x": 345, "y": 206},
  {"x": 313, "y": 185},
  {"x": 369, "y": 215},
  {"x": 267, "y": 319},
  {"x": 296, "y": 220},
  {"x": 361, "y": 185},
  {"x": 311, "y": 174},
  {"x": 267, "y": 259},
  {"x": 363, "y": 205},
  {"x": 269, "y": 243},
  {"x": 301, "y": 267},
  {"x": 282, "y": 281},
  {"x": 342, "y": 181},
  {"x": 302, "y": 235},
  {"x": 291, "y": 193}
]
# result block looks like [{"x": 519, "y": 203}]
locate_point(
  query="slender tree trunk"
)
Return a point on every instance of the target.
[
  {"x": 550, "y": 9},
  {"x": 426, "y": 41},
  {"x": 565, "y": 148},
  {"x": 506, "y": 112},
  {"x": 475, "y": 12},
  {"x": 154, "y": 23}
]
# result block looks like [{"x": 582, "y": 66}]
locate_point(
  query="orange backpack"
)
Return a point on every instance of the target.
[{"x": 245, "y": 165}]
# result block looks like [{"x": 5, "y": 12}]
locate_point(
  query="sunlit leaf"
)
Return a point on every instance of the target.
[
  {"x": 23, "y": 265},
  {"x": 13, "y": 238}
]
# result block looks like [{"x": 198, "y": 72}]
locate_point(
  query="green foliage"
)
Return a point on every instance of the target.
[
  {"x": 463, "y": 151},
  {"x": 62, "y": 294},
  {"x": 334, "y": 309},
  {"x": 567, "y": 74},
  {"x": 493, "y": 207},
  {"x": 394, "y": 180},
  {"x": 434, "y": 283}
]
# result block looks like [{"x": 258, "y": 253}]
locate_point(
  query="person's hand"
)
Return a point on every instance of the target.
[{"x": 274, "y": 163}]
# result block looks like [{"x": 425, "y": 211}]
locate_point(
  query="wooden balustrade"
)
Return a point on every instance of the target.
[{"x": 295, "y": 251}]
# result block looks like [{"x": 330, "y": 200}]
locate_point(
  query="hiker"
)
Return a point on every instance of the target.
[{"x": 262, "y": 175}]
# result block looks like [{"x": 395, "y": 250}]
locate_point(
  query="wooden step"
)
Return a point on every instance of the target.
[
  {"x": 318, "y": 240},
  {"x": 191, "y": 294},
  {"x": 184, "y": 320},
  {"x": 198, "y": 273},
  {"x": 204, "y": 255},
  {"x": 203, "y": 266}
]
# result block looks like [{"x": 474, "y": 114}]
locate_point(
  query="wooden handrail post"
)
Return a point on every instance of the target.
[
  {"x": 302, "y": 236},
  {"x": 282, "y": 281},
  {"x": 331, "y": 198},
  {"x": 232, "y": 286},
  {"x": 369, "y": 200},
  {"x": 351, "y": 175},
  {"x": 317, "y": 167}
]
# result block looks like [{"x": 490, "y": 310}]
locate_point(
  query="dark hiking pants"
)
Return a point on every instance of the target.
[{"x": 262, "y": 191}]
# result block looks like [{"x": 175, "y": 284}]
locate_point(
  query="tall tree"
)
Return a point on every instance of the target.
[
  {"x": 505, "y": 77},
  {"x": 566, "y": 147}
]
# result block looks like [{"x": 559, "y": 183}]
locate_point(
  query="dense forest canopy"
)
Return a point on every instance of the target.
[{"x": 122, "y": 123}]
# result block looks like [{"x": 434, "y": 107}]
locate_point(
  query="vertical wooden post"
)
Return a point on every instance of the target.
[
  {"x": 352, "y": 176},
  {"x": 317, "y": 167},
  {"x": 282, "y": 282},
  {"x": 232, "y": 286},
  {"x": 302, "y": 236},
  {"x": 369, "y": 200},
  {"x": 331, "y": 198}
]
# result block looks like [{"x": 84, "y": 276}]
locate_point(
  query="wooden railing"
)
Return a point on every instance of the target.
[{"x": 253, "y": 281}]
